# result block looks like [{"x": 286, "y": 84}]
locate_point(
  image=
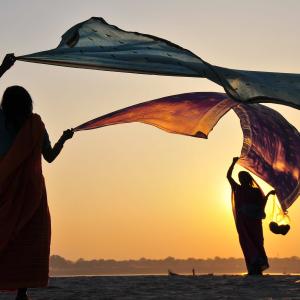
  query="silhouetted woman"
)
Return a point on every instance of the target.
[
  {"x": 249, "y": 201},
  {"x": 25, "y": 227}
]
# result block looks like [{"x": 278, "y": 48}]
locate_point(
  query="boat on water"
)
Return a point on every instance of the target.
[{"x": 170, "y": 273}]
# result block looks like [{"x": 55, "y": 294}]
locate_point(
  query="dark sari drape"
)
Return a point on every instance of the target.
[
  {"x": 248, "y": 208},
  {"x": 24, "y": 215}
]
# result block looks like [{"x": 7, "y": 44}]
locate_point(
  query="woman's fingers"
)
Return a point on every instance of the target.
[
  {"x": 235, "y": 159},
  {"x": 8, "y": 61},
  {"x": 68, "y": 134}
]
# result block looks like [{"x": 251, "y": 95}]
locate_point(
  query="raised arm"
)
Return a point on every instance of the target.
[
  {"x": 229, "y": 172},
  {"x": 50, "y": 153},
  {"x": 7, "y": 63}
]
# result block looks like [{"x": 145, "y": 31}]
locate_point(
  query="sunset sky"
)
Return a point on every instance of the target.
[{"x": 131, "y": 191}]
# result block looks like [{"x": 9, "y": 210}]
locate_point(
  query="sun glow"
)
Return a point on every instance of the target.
[
  {"x": 227, "y": 198},
  {"x": 273, "y": 209}
]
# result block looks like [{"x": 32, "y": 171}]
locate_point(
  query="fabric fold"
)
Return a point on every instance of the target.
[
  {"x": 95, "y": 44},
  {"x": 271, "y": 150},
  {"x": 192, "y": 114},
  {"x": 270, "y": 147}
]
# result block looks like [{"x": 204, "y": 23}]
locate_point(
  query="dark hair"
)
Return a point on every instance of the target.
[
  {"x": 16, "y": 105},
  {"x": 245, "y": 178}
]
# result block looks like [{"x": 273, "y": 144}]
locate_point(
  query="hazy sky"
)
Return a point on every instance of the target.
[{"x": 131, "y": 191}]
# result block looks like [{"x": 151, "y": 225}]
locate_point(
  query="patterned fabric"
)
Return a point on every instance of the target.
[
  {"x": 271, "y": 150},
  {"x": 271, "y": 145},
  {"x": 193, "y": 114},
  {"x": 95, "y": 44}
]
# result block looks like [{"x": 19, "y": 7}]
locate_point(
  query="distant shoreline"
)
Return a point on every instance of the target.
[
  {"x": 61, "y": 267},
  {"x": 184, "y": 275}
]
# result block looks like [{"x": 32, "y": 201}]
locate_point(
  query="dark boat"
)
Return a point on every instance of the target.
[{"x": 170, "y": 273}]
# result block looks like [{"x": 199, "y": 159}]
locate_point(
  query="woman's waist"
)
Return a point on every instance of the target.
[{"x": 251, "y": 210}]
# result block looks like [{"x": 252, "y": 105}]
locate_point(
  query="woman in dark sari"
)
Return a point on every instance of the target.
[
  {"x": 248, "y": 202},
  {"x": 25, "y": 226}
]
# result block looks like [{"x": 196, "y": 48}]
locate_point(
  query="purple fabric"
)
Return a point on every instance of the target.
[
  {"x": 271, "y": 150},
  {"x": 271, "y": 145},
  {"x": 193, "y": 114}
]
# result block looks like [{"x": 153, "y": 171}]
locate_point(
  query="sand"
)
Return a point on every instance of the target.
[{"x": 168, "y": 287}]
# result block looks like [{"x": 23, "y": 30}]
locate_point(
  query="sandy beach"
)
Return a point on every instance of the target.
[{"x": 166, "y": 287}]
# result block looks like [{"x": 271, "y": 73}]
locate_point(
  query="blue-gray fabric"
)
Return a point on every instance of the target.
[{"x": 95, "y": 44}]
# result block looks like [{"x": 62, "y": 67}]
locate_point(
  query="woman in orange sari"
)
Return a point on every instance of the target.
[
  {"x": 249, "y": 204},
  {"x": 25, "y": 228}
]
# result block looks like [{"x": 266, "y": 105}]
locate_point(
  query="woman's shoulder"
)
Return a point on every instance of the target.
[
  {"x": 36, "y": 117},
  {"x": 37, "y": 122},
  {"x": 235, "y": 186}
]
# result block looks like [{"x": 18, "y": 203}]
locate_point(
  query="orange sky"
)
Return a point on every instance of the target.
[{"x": 132, "y": 191}]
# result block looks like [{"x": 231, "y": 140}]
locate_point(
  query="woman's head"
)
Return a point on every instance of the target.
[
  {"x": 245, "y": 178},
  {"x": 16, "y": 105}
]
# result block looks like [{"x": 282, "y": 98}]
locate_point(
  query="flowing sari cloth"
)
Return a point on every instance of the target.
[
  {"x": 248, "y": 208},
  {"x": 192, "y": 114},
  {"x": 271, "y": 150},
  {"x": 95, "y": 44},
  {"x": 24, "y": 214},
  {"x": 270, "y": 146}
]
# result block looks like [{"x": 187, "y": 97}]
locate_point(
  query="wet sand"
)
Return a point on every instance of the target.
[{"x": 168, "y": 287}]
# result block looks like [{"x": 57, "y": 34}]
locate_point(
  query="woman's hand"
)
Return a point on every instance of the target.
[
  {"x": 235, "y": 159},
  {"x": 51, "y": 153},
  {"x": 67, "y": 134},
  {"x": 8, "y": 62}
]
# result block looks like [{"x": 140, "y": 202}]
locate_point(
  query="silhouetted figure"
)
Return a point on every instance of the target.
[
  {"x": 193, "y": 272},
  {"x": 248, "y": 202},
  {"x": 25, "y": 228}
]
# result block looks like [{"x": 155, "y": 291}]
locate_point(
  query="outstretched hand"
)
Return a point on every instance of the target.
[
  {"x": 67, "y": 134},
  {"x": 235, "y": 159},
  {"x": 8, "y": 61}
]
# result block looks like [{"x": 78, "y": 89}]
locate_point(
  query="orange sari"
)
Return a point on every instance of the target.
[{"x": 25, "y": 227}]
